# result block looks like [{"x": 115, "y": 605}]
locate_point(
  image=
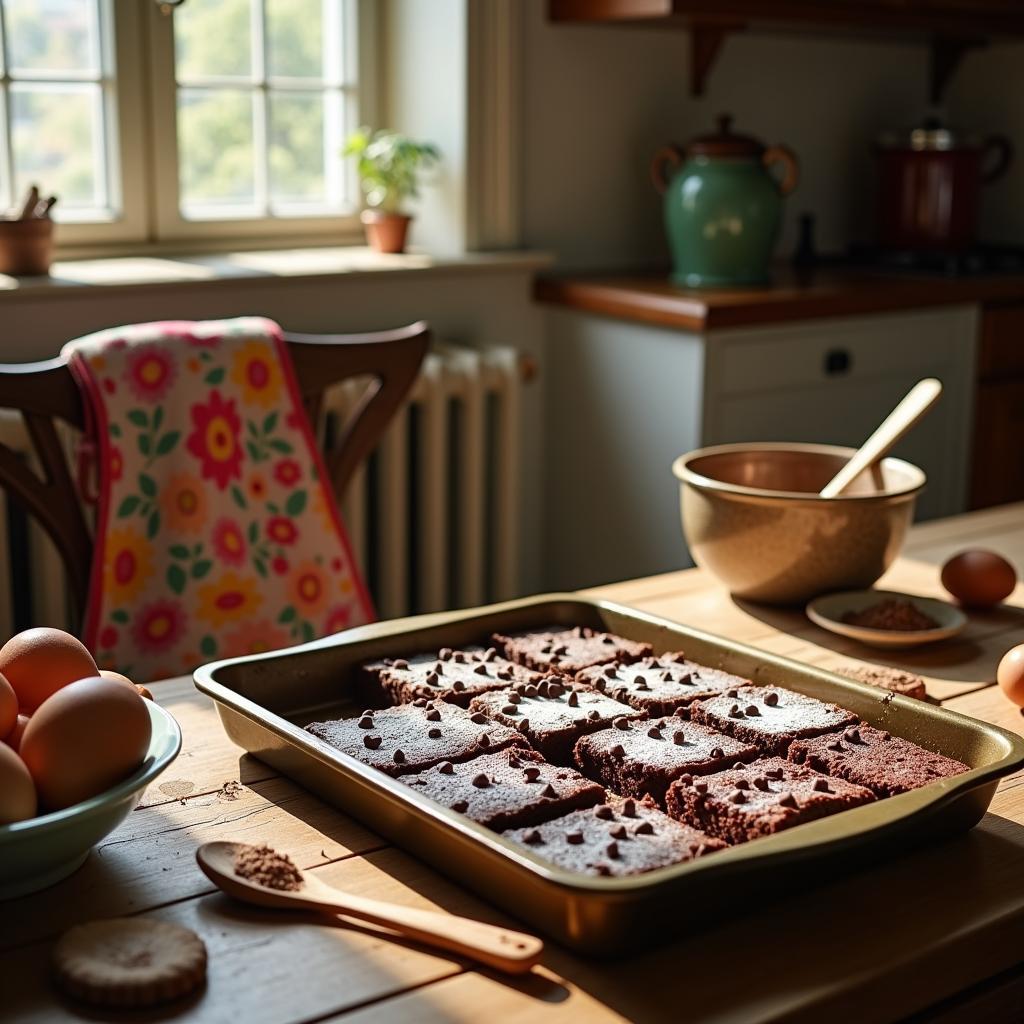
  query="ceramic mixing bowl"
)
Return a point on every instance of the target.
[
  {"x": 39, "y": 852},
  {"x": 752, "y": 517}
]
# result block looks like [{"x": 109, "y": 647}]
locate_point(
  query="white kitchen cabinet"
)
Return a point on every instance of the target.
[{"x": 624, "y": 399}]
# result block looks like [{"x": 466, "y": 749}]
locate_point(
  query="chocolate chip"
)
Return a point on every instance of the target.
[
  {"x": 604, "y": 812},
  {"x": 645, "y": 828},
  {"x": 666, "y": 677},
  {"x": 717, "y": 752},
  {"x": 510, "y": 709},
  {"x": 459, "y": 657},
  {"x": 734, "y": 711},
  {"x": 579, "y": 631},
  {"x": 478, "y": 718},
  {"x": 548, "y": 791},
  {"x": 524, "y": 725},
  {"x": 787, "y": 800},
  {"x": 514, "y": 698},
  {"x": 561, "y": 649},
  {"x": 751, "y": 710},
  {"x": 640, "y": 682},
  {"x": 680, "y": 712},
  {"x": 654, "y": 732},
  {"x": 742, "y": 783},
  {"x": 513, "y": 760},
  {"x": 461, "y": 806},
  {"x": 593, "y": 716},
  {"x": 433, "y": 715},
  {"x": 532, "y": 837},
  {"x": 602, "y": 869},
  {"x": 398, "y": 757},
  {"x": 529, "y": 690},
  {"x": 531, "y": 773},
  {"x": 799, "y": 756},
  {"x": 738, "y": 766},
  {"x": 685, "y": 679},
  {"x": 620, "y": 722},
  {"x": 546, "y": 648},
  {"x": 446, "y": 768},
  {"x": 773, "y": 773},
  {"x": 574, "y": 837},
  {"x": 686, "y": 779},
  {"x": 618, "y": 831},
  {"x": 504, "y": 673},
  {"x": 433, "y": 679},
  {"x": 680, "y": 658},
  {"x": 419, "y": 702},
  {"x": 573, "y": 700},
  {"x": 439, "y": 668},
  {"x": 401, "y": 664},
  {"x": 458, "y": 686},
  {"x": 542, "y": 688},
  {"x": 555, "y": 689},
  {"x": 629, "y": 808},
  {"x": 606, "y": 639},
  {"x": 434, "y": 733},
  {"x": 481, "y": 781},
  {"x": 852, "y": 735},
  {"x": 678, "y": 738},
  {"x": 618, "y": 750},
  {"x": 445, "y": 653},
  {"x": 490, "y": 654},
  {"x": 820, "y": 785},
  {"x": 732, "y": 692},
  {"x": 484, "y": 739},
  {"x": 834, "y": 745},
  {"x": 761, "y": 784},
  {"x": 612, "y": 849},
  {"x": 481, "y": 670},
  {"x": 599, "y": 685},
  {"x": 700, "y": 787},
  {"x": 366, "y": 722},
  {"x": 371, "y": 742},
  {"x": 771, "y": 699}
]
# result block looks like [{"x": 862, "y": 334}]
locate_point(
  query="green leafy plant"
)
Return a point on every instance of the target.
[{"x": 389, "y": 165}]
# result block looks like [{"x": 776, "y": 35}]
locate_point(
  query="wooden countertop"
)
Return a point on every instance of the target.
[
  {"x": 952, "y": 915},
  {"x": 823, "y": 293}
]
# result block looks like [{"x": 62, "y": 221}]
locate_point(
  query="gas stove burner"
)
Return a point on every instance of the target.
[{"x": 975, "y": 261}]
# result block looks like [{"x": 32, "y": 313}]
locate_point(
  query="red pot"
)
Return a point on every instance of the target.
[{"x": 929, "y": 185}]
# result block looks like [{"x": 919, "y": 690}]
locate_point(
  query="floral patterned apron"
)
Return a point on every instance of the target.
[{"x": 217, "y": 533}]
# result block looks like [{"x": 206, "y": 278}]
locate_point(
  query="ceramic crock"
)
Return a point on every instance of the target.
[{"x": 723, "y": 206}]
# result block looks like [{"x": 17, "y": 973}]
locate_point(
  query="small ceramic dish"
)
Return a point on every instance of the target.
[
  {"x": 38, "y": 853},
  {"x": 829, "y": 610}
]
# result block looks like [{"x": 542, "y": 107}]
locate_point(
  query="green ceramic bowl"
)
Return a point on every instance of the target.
[{"x": 37, "y": 853}]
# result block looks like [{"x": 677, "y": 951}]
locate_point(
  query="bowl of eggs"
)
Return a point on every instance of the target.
[{"x": 78, "y": 747}]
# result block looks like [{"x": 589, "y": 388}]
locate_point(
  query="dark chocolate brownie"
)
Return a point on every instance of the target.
[
  {"x": 552, "y": 715},
  {"x": 644, "y": 757},
  {"x": 661, "y": 685},
  {"x": 886, "y": 764},
  {"x": 510, "y": 789},
  {"x": 759, "y": 799},
  {"x": 769, "y": 716},
  {"x": 567, "y": 651},
  {"x": 907, "y": 683},
  {"x": 621, "y": 837},
  {"x": 454, "y": 676},
  {"x": 414, "y": 737}
]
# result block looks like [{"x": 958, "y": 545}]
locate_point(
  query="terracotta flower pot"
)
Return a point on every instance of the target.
[{"x": 385, "y": 231}]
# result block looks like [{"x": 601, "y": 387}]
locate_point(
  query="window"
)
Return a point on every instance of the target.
[{"x": 208, "y": 118}]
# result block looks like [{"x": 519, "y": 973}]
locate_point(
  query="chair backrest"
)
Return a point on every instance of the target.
[{"x": 46, "y": 392}]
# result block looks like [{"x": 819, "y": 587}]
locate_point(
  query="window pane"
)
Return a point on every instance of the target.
[
  {"x": 294, "y": 34},
  {"x": 213, "y": 37},
  {"x": 51, "y": 35},
  {"x": 215, "y": 143},
  {"x": 297, "y": 148},
  {"x": 55, "y": 135}
]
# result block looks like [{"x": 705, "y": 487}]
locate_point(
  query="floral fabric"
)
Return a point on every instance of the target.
[{"x": 217, "y": 534}]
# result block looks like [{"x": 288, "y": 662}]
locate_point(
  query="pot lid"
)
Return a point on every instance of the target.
[
  {"x": 725, "y": 142},
  {"x": 931, "y": 134}
]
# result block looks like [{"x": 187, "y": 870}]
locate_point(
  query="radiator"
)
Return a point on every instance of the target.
[{"x": 432, "y": 514}]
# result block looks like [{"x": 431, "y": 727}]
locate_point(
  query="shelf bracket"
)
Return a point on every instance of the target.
[
  {"x": 705, "y": 45},
  {"x": 946, "y": 54}
]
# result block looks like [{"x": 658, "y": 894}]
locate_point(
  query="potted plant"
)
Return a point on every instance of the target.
[{"x": 389, "y": 165}]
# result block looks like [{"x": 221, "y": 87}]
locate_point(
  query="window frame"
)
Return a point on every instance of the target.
[{"x": 168, "y": 223}]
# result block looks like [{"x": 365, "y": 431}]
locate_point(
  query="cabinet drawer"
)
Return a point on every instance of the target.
[
  {"x": 857, "y": 349},
  {"x": 1002, "y": 342}
]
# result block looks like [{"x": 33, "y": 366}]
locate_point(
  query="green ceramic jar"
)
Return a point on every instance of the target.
[{"x": 723, "y": 207}]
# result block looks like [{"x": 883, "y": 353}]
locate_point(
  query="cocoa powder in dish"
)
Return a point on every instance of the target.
[
  {"x": 892, "y": 614},
  {"x": 265, "y": 866}
]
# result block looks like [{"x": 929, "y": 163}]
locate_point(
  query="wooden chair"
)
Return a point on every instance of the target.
[{"x": 45, "y": 392}]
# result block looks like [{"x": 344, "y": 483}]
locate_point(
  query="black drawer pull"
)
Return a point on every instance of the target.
[{"x": 837, "y": 362}]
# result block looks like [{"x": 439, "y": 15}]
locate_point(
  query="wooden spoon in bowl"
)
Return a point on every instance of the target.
[
  {"x": 918, "y": 400},
  {"x": 501, "y": 948}
]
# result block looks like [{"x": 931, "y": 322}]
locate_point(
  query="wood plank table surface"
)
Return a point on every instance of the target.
[{"x": 936, "y": 933}]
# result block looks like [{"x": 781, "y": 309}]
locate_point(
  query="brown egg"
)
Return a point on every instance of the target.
[
  {"x": 976, "y": 578},
  {"x": 8, "y": 708},
  {"x": 84, "y": 739},
  {"x": 17, "y": 793},
  {"x": 13, "y": 738},
  {"x": 38, "y": 662},
  {"x": 1010, "y": 675},
  {"x": 109, "y": 673}
]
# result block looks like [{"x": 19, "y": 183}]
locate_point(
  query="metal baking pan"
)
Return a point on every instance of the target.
[{"x": 265, "y": 699}]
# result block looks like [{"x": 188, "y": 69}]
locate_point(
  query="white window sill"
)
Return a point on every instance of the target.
[{"x": 69, "y": 277}]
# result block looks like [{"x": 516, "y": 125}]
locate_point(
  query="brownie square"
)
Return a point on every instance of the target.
[
  {"x": 510, "y": 789},
  {"x": 414, "y": 737},
  {"x": 886, "y": 764},
  {"x": 642, "y": 758},
  {"x": 662, "y": 685},
  {"x": 760, "y": 799},
  {"x": 454, "y": 676},
  {"x": 567, "y": 651},
  {"x": 619, "y": 838},
  {"x": 770, "y": 717},
  {"x": 551, "y": 715}
]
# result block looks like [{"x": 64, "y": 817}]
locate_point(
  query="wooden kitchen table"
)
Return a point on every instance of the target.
[{"x": 939, "y": 932}]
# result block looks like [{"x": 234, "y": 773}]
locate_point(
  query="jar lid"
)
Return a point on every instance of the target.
[
  {"x": 725, "y": 143},
  {"x": 931, "y": 135}
]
